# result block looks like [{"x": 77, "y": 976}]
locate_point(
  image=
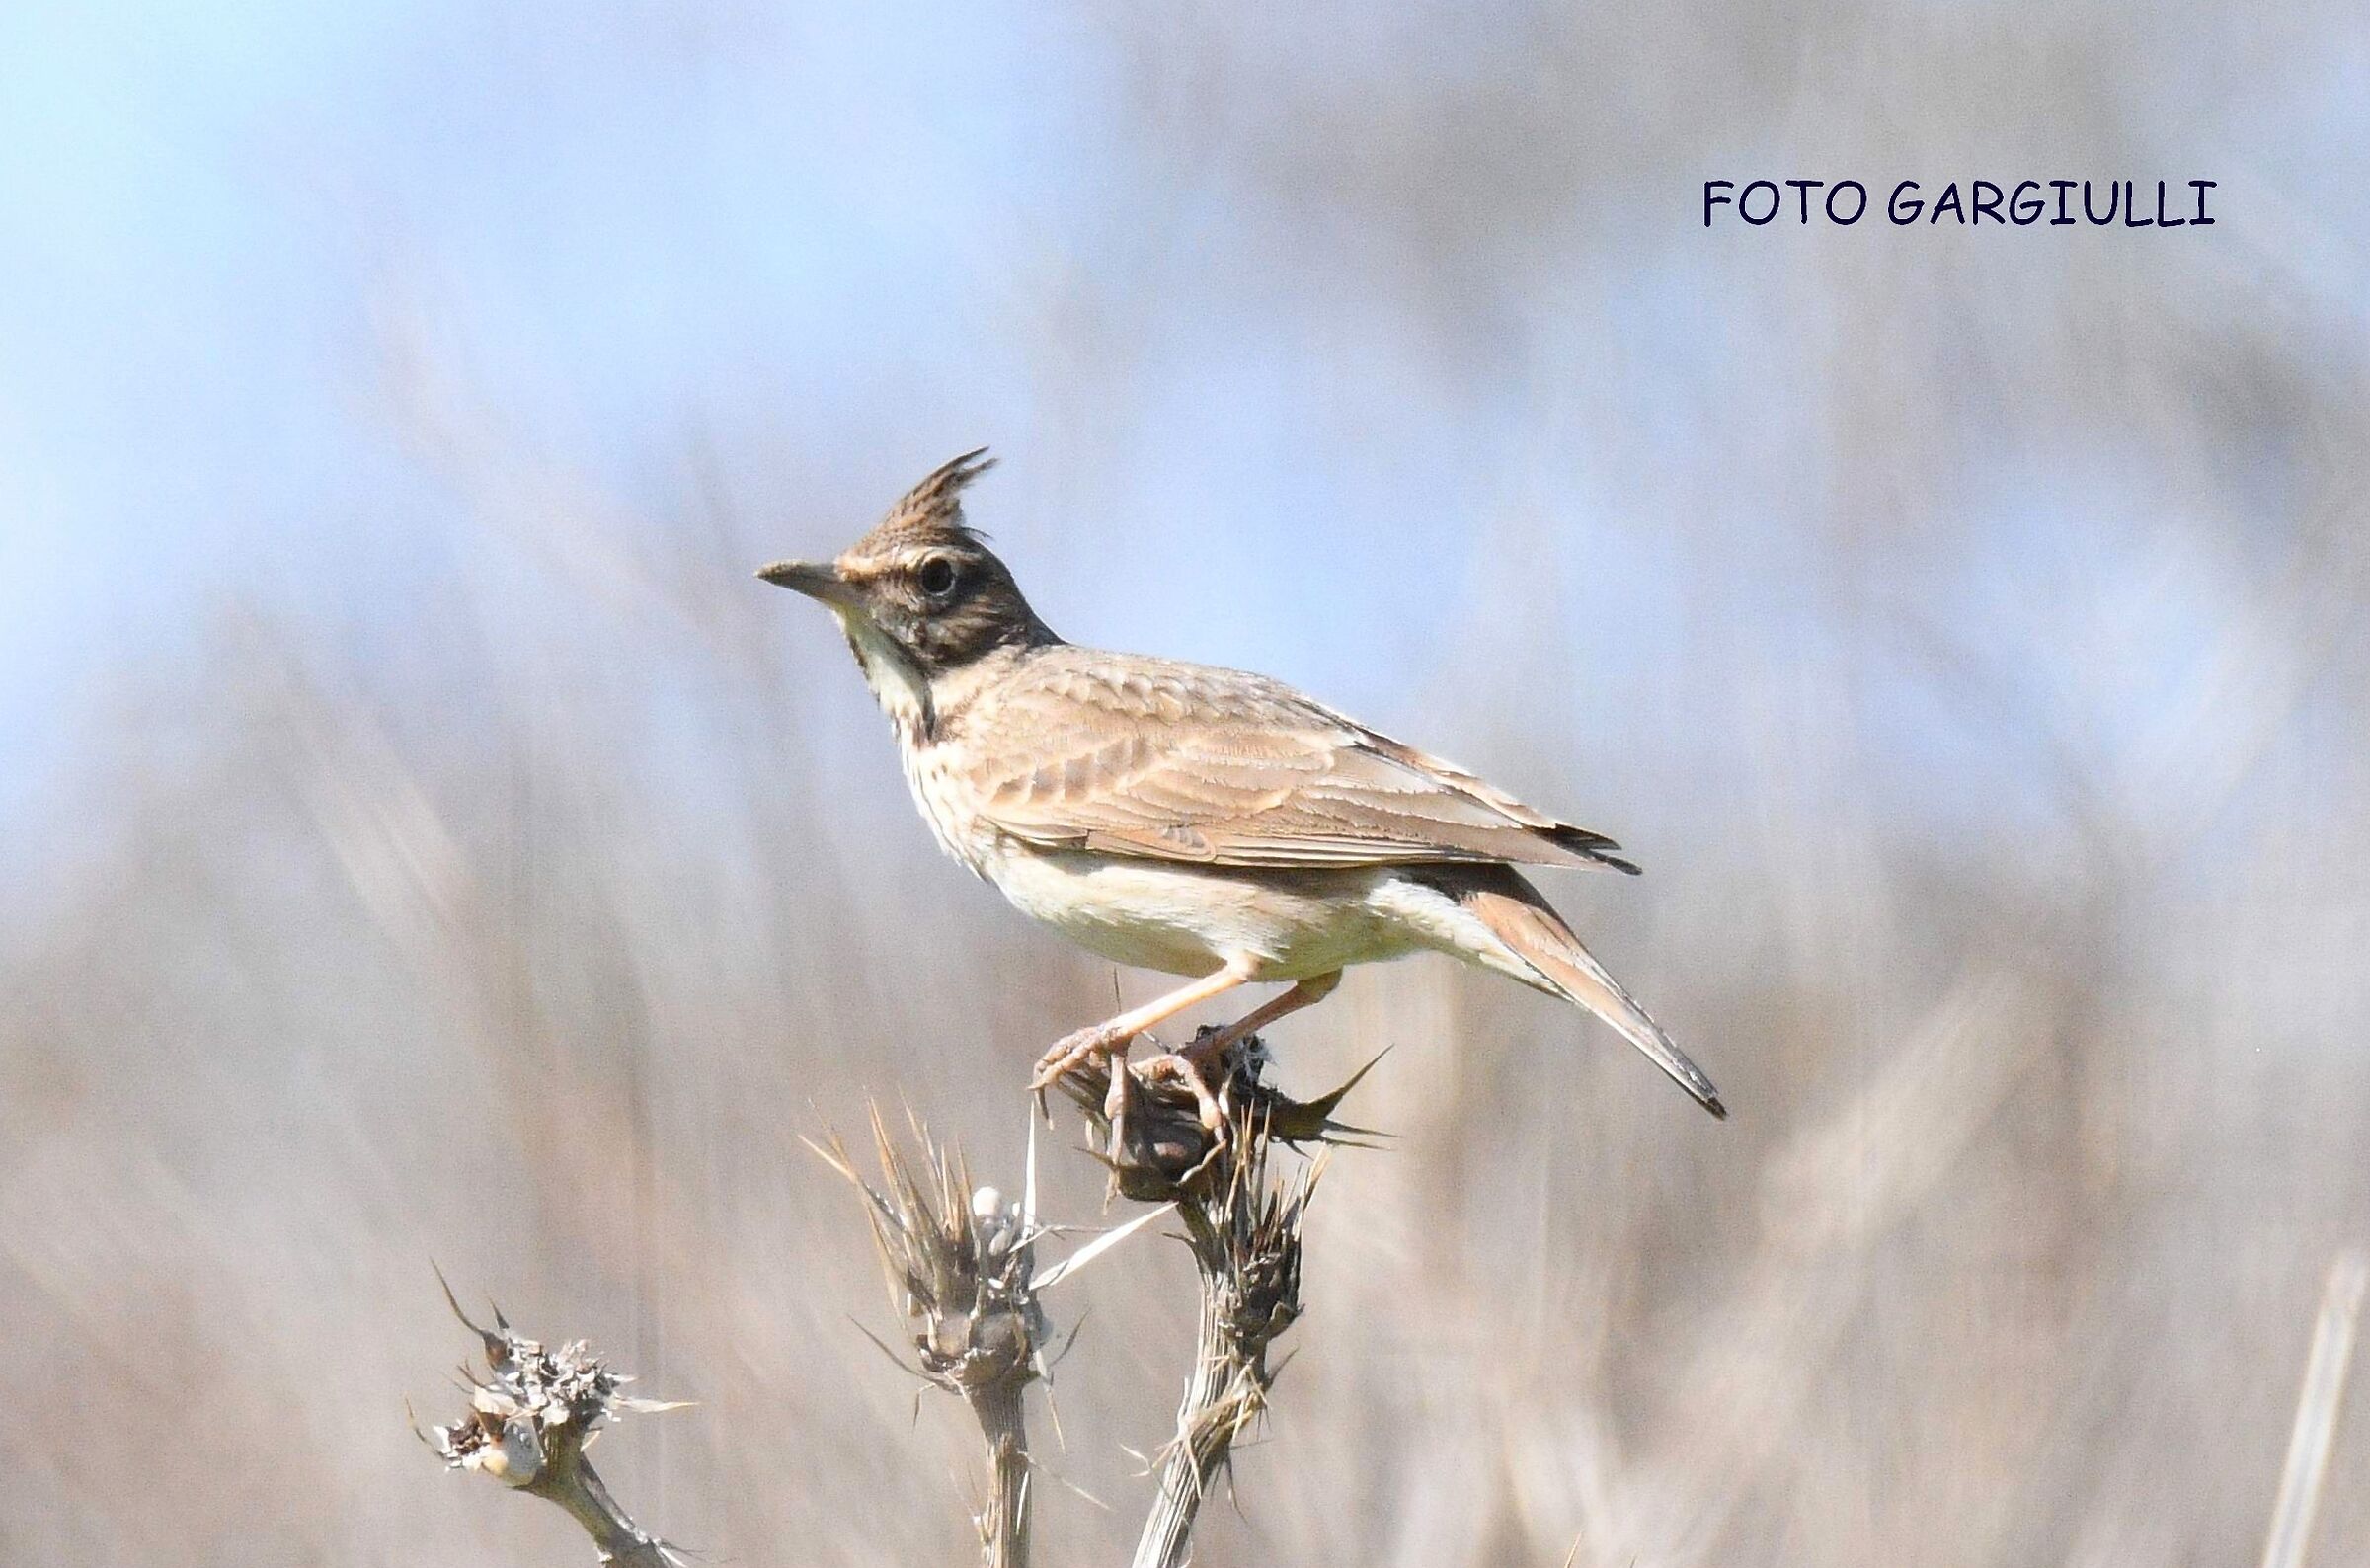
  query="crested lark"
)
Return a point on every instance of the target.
[{"x": 1198, "y": 820}]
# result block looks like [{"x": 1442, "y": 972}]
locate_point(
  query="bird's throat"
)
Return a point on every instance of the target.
[{"x": 896, "y": 683}]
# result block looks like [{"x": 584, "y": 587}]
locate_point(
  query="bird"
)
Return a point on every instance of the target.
[{"x": 1203, "y": 821}]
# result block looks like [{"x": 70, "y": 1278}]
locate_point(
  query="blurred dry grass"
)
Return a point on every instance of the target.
[{"x": 1971, "y": 634}]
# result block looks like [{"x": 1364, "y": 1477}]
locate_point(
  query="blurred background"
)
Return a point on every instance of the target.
[{"x": 423, "y": 838}]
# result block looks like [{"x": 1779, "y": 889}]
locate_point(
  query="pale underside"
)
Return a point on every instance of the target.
[{"x": 1288, "y": 926}]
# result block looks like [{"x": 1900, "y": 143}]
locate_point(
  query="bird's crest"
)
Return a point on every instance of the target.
[{"x": 933, "y": 508}]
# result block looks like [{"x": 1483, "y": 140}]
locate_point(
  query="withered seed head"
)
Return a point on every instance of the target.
[
  {"x": 1160, "y": 1152},
  {"x": 961, "y": 1264}
]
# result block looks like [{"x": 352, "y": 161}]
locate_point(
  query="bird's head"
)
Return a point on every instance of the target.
[{"x": 921, "y": 594}]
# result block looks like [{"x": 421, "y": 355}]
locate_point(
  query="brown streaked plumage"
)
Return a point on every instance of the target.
[
  {"x": 1079, "y": 750},
  {"x": 1202, "y": 820}
]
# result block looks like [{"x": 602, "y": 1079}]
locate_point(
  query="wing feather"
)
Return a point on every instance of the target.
[{"x": 1185, "y": 762}]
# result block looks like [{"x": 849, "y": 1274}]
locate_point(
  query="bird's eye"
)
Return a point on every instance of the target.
[{"x": 938, "y": 577}]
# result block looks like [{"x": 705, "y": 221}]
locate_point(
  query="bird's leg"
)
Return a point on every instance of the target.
[
  {"x": 1193, "y": 1065},
  {"x": 1111, "y": 1037},
  {"x": 1116, "y": 1097},
  {"x": 1213, "y": 1046}
]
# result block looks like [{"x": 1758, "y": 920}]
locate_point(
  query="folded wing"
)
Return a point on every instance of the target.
[{"x": 1184, "y": 762}]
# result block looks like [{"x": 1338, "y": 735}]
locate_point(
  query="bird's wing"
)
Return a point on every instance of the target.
[{"x": 1184, "y": 762}]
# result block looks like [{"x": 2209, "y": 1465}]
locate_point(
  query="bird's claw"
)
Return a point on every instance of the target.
[
  {"x": 1073, "y": 1050},
  {"x": 1190, "y": 1070}
]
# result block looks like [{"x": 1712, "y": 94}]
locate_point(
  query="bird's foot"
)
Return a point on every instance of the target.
[
  {"x": 1190, "y": 1067},
  {"x": 1075, "y": 1050}
]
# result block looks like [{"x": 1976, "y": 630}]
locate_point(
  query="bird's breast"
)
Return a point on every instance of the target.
[{"x": 945, "y": 802}]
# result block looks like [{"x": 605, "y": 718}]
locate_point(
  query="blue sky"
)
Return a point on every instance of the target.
[
  {"x": 212, "y": 211},
  {"x": 1281, "y": 377},
  {"x": 627, "y": 229}
]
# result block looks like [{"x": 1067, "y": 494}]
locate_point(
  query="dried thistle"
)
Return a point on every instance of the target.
[
  {"x": 1146, "y": 1127},
  {"x": 532, "y": 1416},
  {"x": 1244, "y": 1226},
  {"x": 960, "y": 1261},
  {"x": 961, "y": 1265},
  {"x": 963, "y": 1268},
  {"x": 1245, "y": 1230}
]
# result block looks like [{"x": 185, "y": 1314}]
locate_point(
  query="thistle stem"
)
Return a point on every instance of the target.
[
  {"x": 1205, "y": 1436},
  {"x": 621, "y": 1543},
  {"x": 1004, "y": 1526}
]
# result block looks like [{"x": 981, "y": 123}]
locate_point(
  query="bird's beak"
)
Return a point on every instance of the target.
[{"x": 816, "y": 579}]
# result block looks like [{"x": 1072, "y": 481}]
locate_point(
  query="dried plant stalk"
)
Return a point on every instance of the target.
[
  {"x": 530, "y": 1419},
  {"x": 2317, "y": 1404},
  {"x": 1247, "y": 1238},
  {"x": 961, "y": 1264},
  {"x": 1244, "y": 1227},
  {"x": 962, "y": 1267}
]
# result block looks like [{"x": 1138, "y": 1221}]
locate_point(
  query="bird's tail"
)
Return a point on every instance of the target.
[{"x": 1518, "y": 916}]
